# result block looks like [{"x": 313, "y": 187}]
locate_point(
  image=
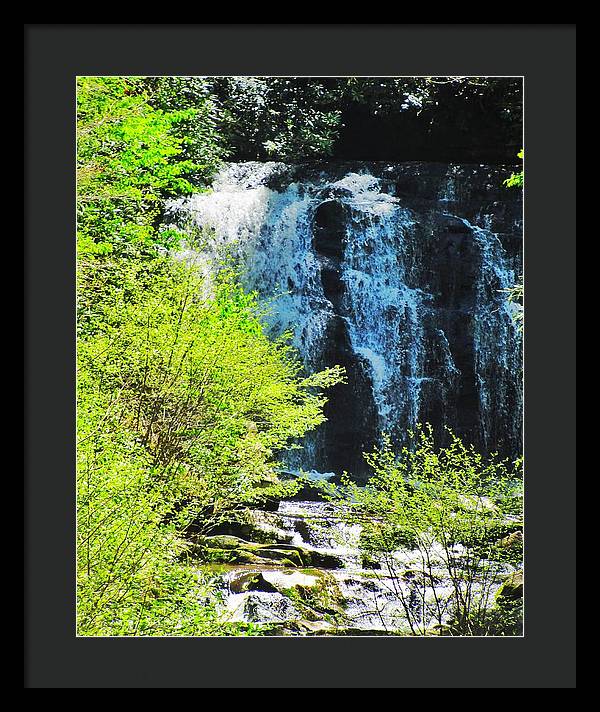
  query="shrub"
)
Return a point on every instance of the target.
[
  {"x": 184, "y": 403},
  {"x": 454, "y": 510}
]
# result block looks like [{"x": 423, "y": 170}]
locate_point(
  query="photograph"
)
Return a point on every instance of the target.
[{"x": 299, "y": 356}]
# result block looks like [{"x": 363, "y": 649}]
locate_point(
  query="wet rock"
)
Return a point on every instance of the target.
[
  {"x": 512, "y": 541},
  {"x": 330, "y": 236},
  {"x": 512, "y": 587},
  {"x": 304, "y": 627},
  {"x": 261, "y": 607},
  {"x": 231, "y": 549},
  {"x": 350, "y": 428}
]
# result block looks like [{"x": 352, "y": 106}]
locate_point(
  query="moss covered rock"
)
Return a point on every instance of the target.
[
  {"x": 270, "y": 581},
  {"x": 512, "y": 587},
  {"x": 231, "y": 549},
  {"x": 512, "y": 541},
  {"x": 258, "y": 526}
]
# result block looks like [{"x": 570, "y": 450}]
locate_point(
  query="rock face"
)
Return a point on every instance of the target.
[{"x": 394, "y": 271}]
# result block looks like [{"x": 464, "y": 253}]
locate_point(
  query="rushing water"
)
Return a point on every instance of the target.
[
  {"x": 377, "y": 596},
  {"x": 394, "y": 272}
]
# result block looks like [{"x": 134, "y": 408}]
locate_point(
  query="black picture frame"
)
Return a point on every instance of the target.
[{"x": 54, "y": 55}]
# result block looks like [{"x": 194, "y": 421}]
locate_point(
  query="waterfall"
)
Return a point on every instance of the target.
[{"x": 394, "y": 271}]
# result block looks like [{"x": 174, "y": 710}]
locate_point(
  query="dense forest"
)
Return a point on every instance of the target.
[{"x": 187, "y": 399}]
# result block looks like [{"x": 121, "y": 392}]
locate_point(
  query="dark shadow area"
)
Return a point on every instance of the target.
[
  {"x": 351, "y": 427},
  {"x": 474, "y": 135}
]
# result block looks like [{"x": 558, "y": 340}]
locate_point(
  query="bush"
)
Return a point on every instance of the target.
[
  {"x": 184, "y": 404},
  {"x": 130, "y": 581},
  {"x": 454, "y": 509}
]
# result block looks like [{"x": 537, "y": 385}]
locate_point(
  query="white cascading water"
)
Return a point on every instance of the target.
[{"x": 263, "y": 214}]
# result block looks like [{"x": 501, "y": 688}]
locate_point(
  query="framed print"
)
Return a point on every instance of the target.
[{"x": 288, "y": 347}]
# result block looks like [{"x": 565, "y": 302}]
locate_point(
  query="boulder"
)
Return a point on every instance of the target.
[
  {"x": 261, "y": 607},
  {"x": 231, "y": 549},
  {"x": 512, "y": 541},
  {"x": 271, "y": 581},
  {"x": 512, "y": 587},
  {"x": 281, "y": 553},
  {"x": 223, "y": 541}
]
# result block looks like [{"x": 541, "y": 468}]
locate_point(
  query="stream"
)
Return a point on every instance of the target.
[{"x": 350, "y": 595}]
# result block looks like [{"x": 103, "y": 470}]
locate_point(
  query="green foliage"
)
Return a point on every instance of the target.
[
  {"x": 128, "y": 159},
  {"x": 453, "y": 508},
  {"x": 184, "y": 404},
  {"x": 201, "y": 383},
  {"x": 202, "y": 139},
  {"x": 132, "y": 575},
  {"x": 516, "y": 180},
  {"x": 283, "y": 118},
  {"x": 280, "y": 118},
  {"x": 130, "y": 581}
]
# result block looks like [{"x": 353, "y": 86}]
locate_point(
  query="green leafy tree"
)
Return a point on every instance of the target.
[
  {"x": 184, "y": 406},
  {"x": 281, "y": 118},
  {"x": 128, "y": 159},
  {"x": 200, "y": 131}
]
